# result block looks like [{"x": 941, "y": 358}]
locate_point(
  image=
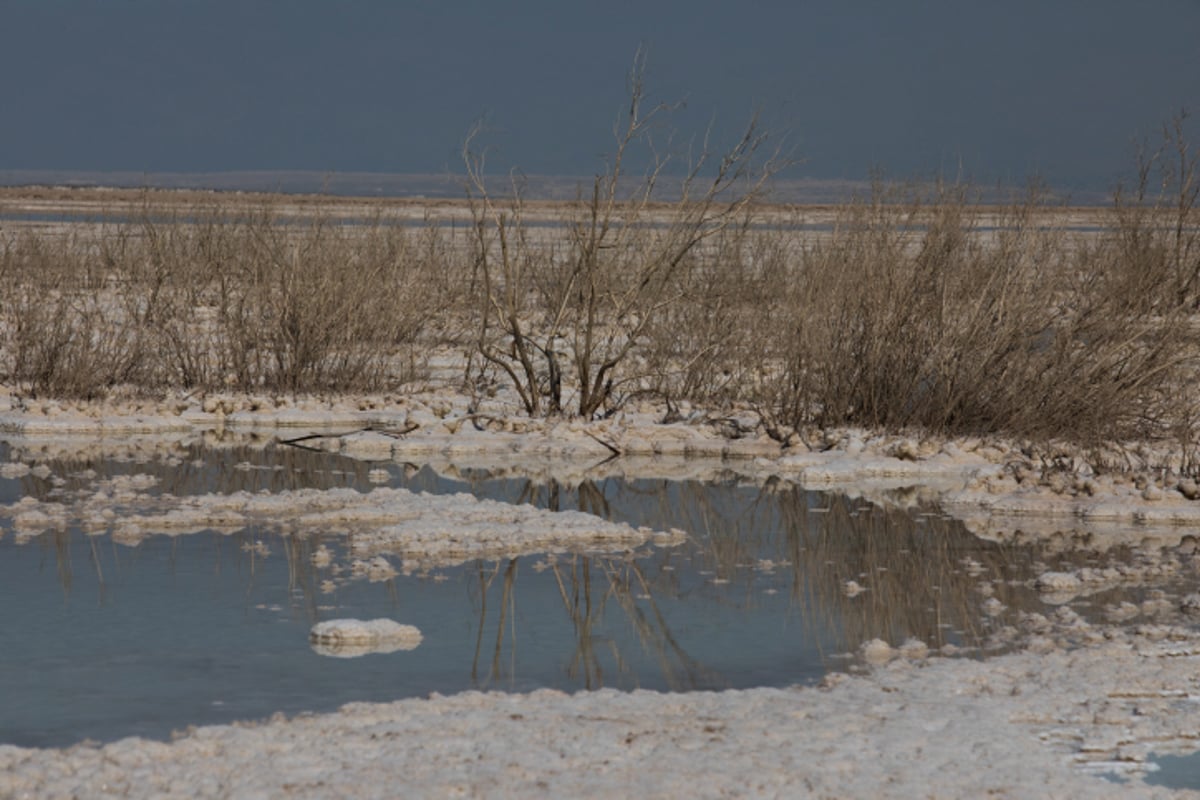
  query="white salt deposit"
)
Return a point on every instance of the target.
[
  {"x": 351, "y": 638},
  {"x": 423, "y": 530}
]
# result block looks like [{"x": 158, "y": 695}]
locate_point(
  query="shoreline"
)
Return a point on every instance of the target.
[{"x": 1073, "y": 700}]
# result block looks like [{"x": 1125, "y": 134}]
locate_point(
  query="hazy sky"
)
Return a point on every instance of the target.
[{"x": 1004, "y": 88}]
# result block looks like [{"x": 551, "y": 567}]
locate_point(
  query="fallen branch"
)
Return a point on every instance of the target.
[{"x": 616, "y": 451}]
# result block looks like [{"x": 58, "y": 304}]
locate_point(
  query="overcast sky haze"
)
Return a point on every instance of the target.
[{"x": 1058, "y": 88}]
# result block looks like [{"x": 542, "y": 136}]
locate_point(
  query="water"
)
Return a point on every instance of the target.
[
  {"x": 105, "y": 640},
  {"x": 1175, "y": 772}
]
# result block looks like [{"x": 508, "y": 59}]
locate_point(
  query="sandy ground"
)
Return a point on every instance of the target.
[{"x": 1073, "y": 701}]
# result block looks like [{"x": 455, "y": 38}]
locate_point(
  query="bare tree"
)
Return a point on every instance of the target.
[{"x": 565, "y": 323}]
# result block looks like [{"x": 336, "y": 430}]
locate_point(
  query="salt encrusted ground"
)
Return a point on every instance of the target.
[{"x": 1076, "y": 699}]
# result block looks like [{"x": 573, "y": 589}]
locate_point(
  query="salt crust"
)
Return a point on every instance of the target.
[
  {"x": 993, "y": 485},
  {"x": 1019, "y": 725},
  {"x": 425, "y": 530},
  {"x": 351, "y": 638}
]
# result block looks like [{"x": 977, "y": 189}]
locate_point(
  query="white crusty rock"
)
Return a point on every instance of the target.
[
  {"x": 877, "y": 651},
  {"x": 1057, "y": 582},
  {"x": 349, "y": 638}
]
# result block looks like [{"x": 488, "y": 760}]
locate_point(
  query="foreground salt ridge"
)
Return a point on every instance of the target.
[{"x": 1021, "y": 725}]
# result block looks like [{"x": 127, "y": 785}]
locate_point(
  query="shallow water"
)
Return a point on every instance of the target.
[
  {"x": 106, "y": 640},
  {"x": 1175, "y": 772}
]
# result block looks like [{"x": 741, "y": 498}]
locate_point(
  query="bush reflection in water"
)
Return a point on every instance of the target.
[{"x": 755, "y": 596}]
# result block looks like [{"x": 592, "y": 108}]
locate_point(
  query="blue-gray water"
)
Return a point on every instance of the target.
[
  {"x": 1175, "y": 772},
  {"x": 105, "y": 640}
]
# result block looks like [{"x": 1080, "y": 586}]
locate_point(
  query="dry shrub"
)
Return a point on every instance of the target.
[
  {"x": 913, "y": 315},
  {"x": 63, "y": 339},
  {"x": 566, "y": 322},
  {"x": 222, "y": 298},
  {"x": 709, "y": 348}
]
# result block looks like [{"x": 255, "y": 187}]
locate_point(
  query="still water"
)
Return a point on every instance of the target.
[{"x": 105, "y": 640}]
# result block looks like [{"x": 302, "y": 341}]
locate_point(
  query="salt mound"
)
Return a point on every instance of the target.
[
  {"x": 1056, "y": 582},
  {"x": 877, "y": 651},
  {"x": 350, "y": 638}
]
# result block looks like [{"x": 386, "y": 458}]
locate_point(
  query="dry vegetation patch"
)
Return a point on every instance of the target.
[{"x": 910, "y": 309}]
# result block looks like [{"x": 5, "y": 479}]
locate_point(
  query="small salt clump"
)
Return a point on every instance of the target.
[
  {"x": 914, "y": 649},
  {"x": 1190, "y": 604},
  {"x": 322, "y": 557},
  {"x": 14, "y": 469},
  {"x": 1056, "y": 582},
  {"x": 852, "y": 589},
  {"x": 349, "y": 638},
  {"x": 877, "y": 651}
]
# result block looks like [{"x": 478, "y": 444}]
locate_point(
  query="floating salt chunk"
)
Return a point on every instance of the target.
[
  {"x": 1057, "y": 582},
  {"x": 877, "y": 651},
  {"x": 28, "y": 521},
  {"x": 852, "y": 589},
  {"x": 377, "y": 569},
  {"x": 914, "y": 649},
  {"x": 350, "y": 638},
  {"x": 670, "y": 538},
  {"x": 259, "y": 548},
  {"x": 322, "y": 557},
  {"x": 14, "y": 469}
]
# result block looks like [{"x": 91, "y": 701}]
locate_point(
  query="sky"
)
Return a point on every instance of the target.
[{"x": 995, "y": 91}]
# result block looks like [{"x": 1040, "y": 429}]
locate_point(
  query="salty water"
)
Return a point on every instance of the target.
[{"x": 105, "y": 640}]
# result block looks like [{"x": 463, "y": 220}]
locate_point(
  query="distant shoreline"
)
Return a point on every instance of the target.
[{"x": 445, "y": 186}]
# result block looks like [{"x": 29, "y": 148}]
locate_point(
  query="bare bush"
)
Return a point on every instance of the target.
[
  {"x": 62, "y": 339},
  {"x": 910, "y": 315},
  {"x": 562, "y": 321},
  {"x": 710, "y": 348},
  {"x": 221, "y": 298}
]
